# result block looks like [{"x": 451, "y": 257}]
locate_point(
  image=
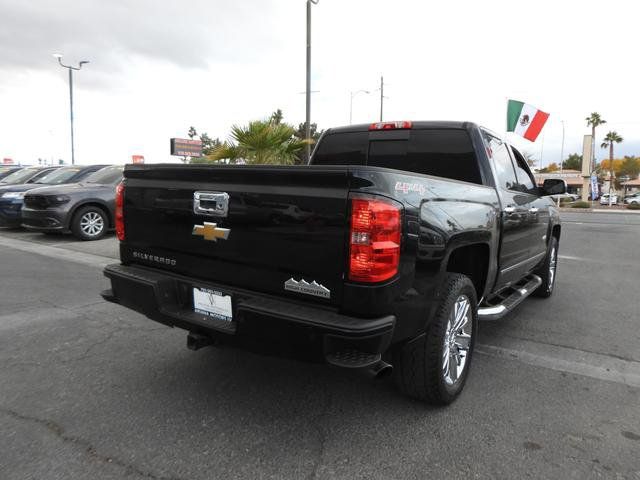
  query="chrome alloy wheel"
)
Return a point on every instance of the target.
[
  {"x": 91, "y": 224},
  {"x": 553, "y": 260},
  {"x": 457, "y": 340}
]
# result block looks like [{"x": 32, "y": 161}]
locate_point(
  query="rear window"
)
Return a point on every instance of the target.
[
  {"x": 342, "y": 149},
  {"x": 106, "y": 176},
  {"x": 20, "y": 176},
  {"x": 444, "y": 153},
  {"x": 59, "y": 176}
]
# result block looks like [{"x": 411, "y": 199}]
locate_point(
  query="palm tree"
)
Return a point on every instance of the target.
[
  {"x": 594, "y": 120},
  {"x": 260, "y": 142},
  {"x": 611, "y": 138}
]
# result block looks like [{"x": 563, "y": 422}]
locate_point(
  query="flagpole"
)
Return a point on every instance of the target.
[{"x": 541, "y": 148}]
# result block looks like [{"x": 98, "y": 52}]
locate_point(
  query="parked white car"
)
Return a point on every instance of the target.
[
  {"x": 634, "y": 198},
  {"x": 604, "y": 199}
]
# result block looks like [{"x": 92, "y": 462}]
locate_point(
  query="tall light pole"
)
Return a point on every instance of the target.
[
  {"x": 381, "y": 96},
  {"x": 353, "y": 94},
  {"x": 562, "y": 147},
  {"x": 307, "y": 125},
  {"x": 71, "y": 69}
]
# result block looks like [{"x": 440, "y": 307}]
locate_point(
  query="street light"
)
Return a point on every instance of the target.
[
  {"x": 308, "y": 118},
  {"x": 353, "y": 94},
  {"x": 71, "y": 69}
]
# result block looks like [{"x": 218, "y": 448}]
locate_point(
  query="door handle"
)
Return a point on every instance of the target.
[
  {"x": 509, "y": 209},
  {"x": 533, "y": 210}
]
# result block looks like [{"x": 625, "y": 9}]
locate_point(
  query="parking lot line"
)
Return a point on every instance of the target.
[
  {"x": 569, "y": 360},
  {"x": 58, "y": 253}
]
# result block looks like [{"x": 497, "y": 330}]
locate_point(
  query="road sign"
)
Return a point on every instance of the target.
[
  {"x": 137, "y": 158},
  {"x": 7, "y": 161},
  {"x": 183, "y": 147}
]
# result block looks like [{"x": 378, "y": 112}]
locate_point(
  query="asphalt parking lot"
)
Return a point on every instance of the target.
[{"x": 91, "y": 390}]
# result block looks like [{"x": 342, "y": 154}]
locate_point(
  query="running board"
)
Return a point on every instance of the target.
[{"x": 508, "y": 303}]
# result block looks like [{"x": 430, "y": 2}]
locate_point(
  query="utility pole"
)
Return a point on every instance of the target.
[
  {"x": 381, "y": 96},
  {"x": 307, "y": 125},
  {"x": 562, "y": 147},
  {"x": 71, "y": 69}
]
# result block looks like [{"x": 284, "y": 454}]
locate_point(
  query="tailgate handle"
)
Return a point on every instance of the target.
[{"x": 213, "y": 204}]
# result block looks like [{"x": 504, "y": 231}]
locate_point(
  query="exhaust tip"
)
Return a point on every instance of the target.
[{"x": 381, "y": 370}]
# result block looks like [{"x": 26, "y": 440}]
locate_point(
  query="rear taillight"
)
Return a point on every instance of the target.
[
  {"x": 120, "y": 211},
  {"x": 374, "y": 252},
  {"x": 390, "y": 125}
]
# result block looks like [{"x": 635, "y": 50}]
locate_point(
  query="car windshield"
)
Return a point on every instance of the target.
[
  {"x": 106, "y": 176},
  {"x": 20, "y": 176},
  {"x": 59, "y": 176}
]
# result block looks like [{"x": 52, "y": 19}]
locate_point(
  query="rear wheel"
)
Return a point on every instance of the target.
[
  {"x": 89, "y": 223},
  {"x": 434, "y": 366},
  {"x": 547, "y": 271}
]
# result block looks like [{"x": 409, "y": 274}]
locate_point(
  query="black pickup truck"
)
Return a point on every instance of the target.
[{"x": 383, "y": 252}]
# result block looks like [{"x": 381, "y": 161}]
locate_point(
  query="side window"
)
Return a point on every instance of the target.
[
  {"x": 525, "y": 182},
  {"x": 502, "y": 162}
]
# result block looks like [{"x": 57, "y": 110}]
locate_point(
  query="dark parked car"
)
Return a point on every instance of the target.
[
  {"x": 86, "y": 209},
  {"x": 25, "y": 175},
  {"x": 7, "y": 170},
  {"x": 11, "y": 196},
  {"x": 11, "y": 192},
  {"x": 385, "y": 251}
]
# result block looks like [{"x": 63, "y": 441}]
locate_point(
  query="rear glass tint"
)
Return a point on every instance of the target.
[
  {"x": 342, "y": 149},
  {"x": 444, "y": 153}
]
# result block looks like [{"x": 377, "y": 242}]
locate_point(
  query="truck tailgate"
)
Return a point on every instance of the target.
[{"x": 283, "y": 223}]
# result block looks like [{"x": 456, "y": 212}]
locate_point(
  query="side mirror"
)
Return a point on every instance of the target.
[{"x": 554, "y": 186}]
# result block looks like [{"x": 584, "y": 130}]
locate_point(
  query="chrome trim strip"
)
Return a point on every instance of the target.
[{"x": 519, "y": 264}]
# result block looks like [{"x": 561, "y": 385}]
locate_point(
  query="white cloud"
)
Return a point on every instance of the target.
[{"x": 158, "y": 67}]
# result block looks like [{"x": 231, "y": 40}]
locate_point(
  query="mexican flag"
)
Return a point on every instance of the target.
[{"x": 525, "y": 120}]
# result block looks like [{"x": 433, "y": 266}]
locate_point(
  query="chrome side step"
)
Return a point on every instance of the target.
[{"x": 518, "y": 293}]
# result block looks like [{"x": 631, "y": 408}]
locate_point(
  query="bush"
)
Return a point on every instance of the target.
[
  {"x": 581, "y": 205},
  {"x": 633, "y": 206}
]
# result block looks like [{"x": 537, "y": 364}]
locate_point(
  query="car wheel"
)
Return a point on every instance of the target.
[
  {"x": 89, "y": 223},
  {"x": 434, "y": 366},
  {"x": 547, "y": 271}
]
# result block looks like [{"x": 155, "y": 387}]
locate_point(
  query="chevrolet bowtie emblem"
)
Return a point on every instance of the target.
[{"x": 211, "y": 232}]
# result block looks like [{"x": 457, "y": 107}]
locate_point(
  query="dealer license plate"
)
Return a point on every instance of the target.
[{"x": 212, "y": 303}]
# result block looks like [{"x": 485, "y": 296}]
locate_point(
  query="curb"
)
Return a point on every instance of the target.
[{"x": 598, "y": 210}]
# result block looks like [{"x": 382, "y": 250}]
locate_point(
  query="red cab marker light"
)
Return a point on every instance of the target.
[{"x": 390, "y": 125}]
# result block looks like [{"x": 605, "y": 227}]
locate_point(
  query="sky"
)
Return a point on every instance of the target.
[{"x": 157, "y": 67}]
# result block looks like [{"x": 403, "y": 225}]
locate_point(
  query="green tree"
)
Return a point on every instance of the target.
[
  {"x": 630, "y": 167},
  {"x": 552, "y": 167},
  {"x": 609, "y": 140},
  {"x": 573, "y": 162},
  {"x": 276, "y": 117},
  {"x": 260, "y": 142},
  {"x": 594, "y": 120},
  {"x": 209, "y": 144}
]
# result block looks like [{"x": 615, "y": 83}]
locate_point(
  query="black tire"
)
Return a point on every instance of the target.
[
  {"x": 419, "y": 365},
  {"x": 550, "y": 263},
  {"x": 81, "y": 228}
]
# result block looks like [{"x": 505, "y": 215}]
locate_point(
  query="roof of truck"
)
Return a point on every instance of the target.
[{"x": 415, "y": 125}]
